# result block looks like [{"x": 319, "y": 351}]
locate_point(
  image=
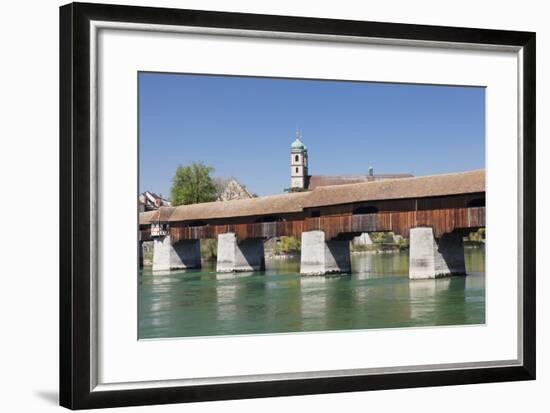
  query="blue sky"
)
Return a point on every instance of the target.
[{"x": 244, "y": 126}]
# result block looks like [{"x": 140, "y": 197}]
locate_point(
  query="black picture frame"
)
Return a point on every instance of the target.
[{"x": 75, "y": 196}]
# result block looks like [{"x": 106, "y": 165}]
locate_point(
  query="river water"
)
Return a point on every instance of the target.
[{"x": 378, "y": 294}]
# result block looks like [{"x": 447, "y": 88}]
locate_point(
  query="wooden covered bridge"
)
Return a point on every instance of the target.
[{"x": 433, "y": 211}]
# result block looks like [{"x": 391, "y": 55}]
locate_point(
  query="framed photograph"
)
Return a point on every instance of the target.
[{"x": 258, "y": 206}]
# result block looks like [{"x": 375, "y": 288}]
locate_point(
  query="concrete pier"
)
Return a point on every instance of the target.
[
  {"x": 362, "y": 240},
  {"x": 320, "y": 257},
  {"x": 183, "y": 254},
  {"x": 432, "y": 258},
  {"x": 239, "y": 256}
]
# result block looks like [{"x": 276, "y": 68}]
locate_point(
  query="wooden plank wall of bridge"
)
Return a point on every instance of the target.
[{"x": 400, "y": 222}]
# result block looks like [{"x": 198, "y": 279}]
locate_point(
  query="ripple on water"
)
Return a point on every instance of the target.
[{"x": 378, "y": 294}]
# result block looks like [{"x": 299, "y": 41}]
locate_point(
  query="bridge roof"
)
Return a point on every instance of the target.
[
  {"x": 264, "y": 205},
  {"x": 414, "y": 187},
  {"x": 146, "y": 217},
  {"x": 161, "y": 214},
  {"x": 316, "y": 181}
]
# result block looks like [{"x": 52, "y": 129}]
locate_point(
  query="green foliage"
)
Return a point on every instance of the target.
[
  {"x": 148, "y": 256},
  {"x": 382, "y": 241},
  {"x": 482, "y": 233},
  {"x": 382, "y": 237},
  {"x": 193, "y": 184},
  {"x": 362, "y": 247},
  {"x": 287, "y": 245},
  {"x": 402, "y": 242},
  {"x": 209, "y": 249},
  {"x": 477, "y": 236}
]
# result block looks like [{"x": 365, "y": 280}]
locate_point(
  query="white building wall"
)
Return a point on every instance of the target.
[{"x": 298, "y": 169}]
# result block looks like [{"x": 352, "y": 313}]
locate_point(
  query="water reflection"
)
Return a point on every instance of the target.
[
  {"x": 372, "y": 265},
  {"x": 226, "y": 294},
  {"x": 314, "y": 301},
  {"x": 424, "y": 296},
  {"x": 378, "y": 294}
]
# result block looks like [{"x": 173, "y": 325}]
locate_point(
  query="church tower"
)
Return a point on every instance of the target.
[{"x": 298, "y": 164}]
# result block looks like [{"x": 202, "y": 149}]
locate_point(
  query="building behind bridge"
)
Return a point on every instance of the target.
[
  {"x": 300, "y": 180},
  {"x": 232, "y": 190},
  {"x": 149, "y": 201}
]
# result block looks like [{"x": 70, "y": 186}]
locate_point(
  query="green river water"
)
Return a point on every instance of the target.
[{"x": 378, "y": 294}]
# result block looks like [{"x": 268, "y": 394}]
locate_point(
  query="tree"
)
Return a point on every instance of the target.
[
  {"x": 193, "y": 184},
  {"x": 287, "y": 245}
]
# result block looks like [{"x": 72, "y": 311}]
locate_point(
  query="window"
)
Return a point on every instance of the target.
[
  {"x": 296, "y": 158},
  {"x": 296, "y": 170}
]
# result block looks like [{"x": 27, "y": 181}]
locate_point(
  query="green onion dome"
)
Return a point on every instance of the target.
[{"x": 298, "y": 144}]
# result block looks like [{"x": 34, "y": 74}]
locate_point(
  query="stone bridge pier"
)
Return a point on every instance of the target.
[
  {"x": 320, "y": 256},
  {"x": 239, "y": 256},
  {"x": 180, "y": 255},
  {"x": 430, "y": 257}
]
